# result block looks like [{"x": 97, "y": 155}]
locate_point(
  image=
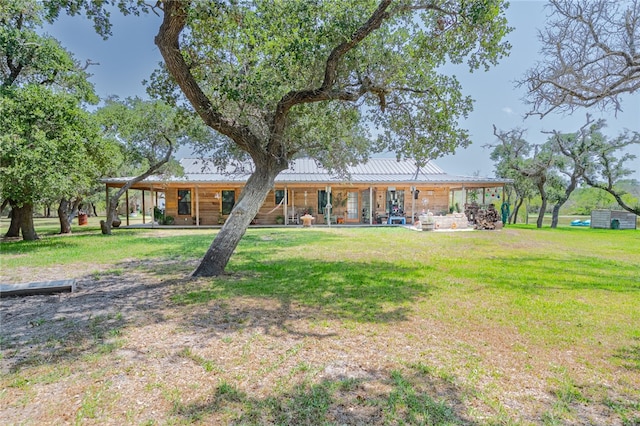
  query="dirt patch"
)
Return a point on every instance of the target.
[{"x": 120, "y": 351}]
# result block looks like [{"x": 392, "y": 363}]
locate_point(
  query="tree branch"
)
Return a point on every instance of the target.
[
  {"x": 325, "y": 91},
  {"x": 168, "y": 42}
]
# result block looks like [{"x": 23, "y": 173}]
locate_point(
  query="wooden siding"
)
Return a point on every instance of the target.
[{"x": 603, "y": 219}]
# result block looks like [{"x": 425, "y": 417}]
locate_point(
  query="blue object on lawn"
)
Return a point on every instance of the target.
[{"x": 578, "y": 222}]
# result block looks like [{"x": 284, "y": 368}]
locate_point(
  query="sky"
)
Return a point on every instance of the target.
[{"x": 129, "y": 56}]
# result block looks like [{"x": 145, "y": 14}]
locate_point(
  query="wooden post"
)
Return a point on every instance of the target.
[
  {"x": 371, "y": 205},
  {"x": 413, "y": 203},
  {"x": 464, "y": 198},
  {"x": 144, "y": 211},
  {"x": 106, "y": 187},
  {"x": 197, "y": 206},
  {"x": 126, "y": 196},
  {"x": 285, "y": 208},
  {"x": 153, "y": 205}
]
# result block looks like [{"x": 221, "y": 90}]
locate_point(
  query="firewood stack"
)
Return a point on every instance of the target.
[{"x": 487, "y": 219}]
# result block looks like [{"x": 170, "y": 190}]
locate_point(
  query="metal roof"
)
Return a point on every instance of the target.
[{"x": 307, "y": 170}]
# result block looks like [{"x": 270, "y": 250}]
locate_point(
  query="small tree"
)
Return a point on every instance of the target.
[
  {"x": 574, "y": 157},
  {"x": 148, "y": 132},
  {"x": 608, "y": 167},
  {"x": 531, "y": 162},
  {"x": 45, "y": 144}
]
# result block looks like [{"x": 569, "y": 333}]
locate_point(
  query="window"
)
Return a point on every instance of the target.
[
  {"x": 323, "y": 200},
  {"x": 279, "y": 195},
  {"x": 184, "y": 201},
  {"x": 228, "y": 201}
]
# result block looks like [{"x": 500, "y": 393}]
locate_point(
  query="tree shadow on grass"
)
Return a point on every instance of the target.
[
  {"x": 47, "y": 328},
  {"x": 380, "y": 397},
  {"x": 361, "y": 291},
  {"x": 44, "y": 329}
]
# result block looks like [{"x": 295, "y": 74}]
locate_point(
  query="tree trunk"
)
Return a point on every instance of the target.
[
  {"x": 93, "y": 207},
  {"x": 63, "y": 215},
  {"x": 252, "y": 197},
  {"x": 567, "y": 193},
  {"x": 14, "y": 226},
  {"x": 66, "y": 213},
  {"x": 555, "y": 213},
  {"x": 112, "y": 204},
  {"x": 25, "y": 214},
  {"x": 112, "y": 212},
  {"x": 514, "y": 216},
  {"x": 543, "y": 206}
]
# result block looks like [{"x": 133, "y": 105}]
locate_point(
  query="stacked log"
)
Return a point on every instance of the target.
[{"x": 488, "y": 218}]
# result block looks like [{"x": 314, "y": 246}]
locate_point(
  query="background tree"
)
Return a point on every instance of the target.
[
  {"x": 573, "y": 158},
  {"x": 531, "y": 162},
  {"x": 564, "y": 161},
  {"x": 609, "y": 167},
  {"x": 148, "y": 133},
  {"x": 99, "y": 159},
  {"x": 590, "y": 56},
  {"x": 47, "y": 139},
  {"x": 587, "y": 198},
  {"x": 503, "y": 156},
  {"x": 46, "y": 136}
]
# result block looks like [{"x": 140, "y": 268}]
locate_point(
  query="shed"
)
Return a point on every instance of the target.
[{"x": 613, "y": 219}]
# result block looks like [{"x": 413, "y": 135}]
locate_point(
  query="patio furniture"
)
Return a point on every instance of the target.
[
  {"x": 306, "y": 220},
  {"x": 400, "y": 219}
]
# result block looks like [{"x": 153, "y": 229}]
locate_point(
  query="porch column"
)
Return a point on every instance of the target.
[
  {"x": 126, "y": 195},
  {"x": 197, "y": 206},
  {"x": 293, "y": 203},
  {"x": 413, "y": 203},
  {"x": 371, "y": 205},
  {"x": 328, "y": 208},
  {"x": 106, "y": 188},
  {"x": 154, "y": 203},
  {"x": 144, "y": 211},
  {"x": 285, "y": 209}
]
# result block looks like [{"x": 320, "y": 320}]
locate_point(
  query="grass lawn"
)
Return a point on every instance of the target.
[{"x": 326, "y": 326}]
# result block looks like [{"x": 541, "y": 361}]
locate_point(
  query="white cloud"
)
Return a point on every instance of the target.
[{"x": 508, "y": 111}]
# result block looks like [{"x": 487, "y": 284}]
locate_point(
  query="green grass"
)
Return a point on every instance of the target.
[
  {"x": 565, "y": 290},
  {"x": 554, "y": 285}
]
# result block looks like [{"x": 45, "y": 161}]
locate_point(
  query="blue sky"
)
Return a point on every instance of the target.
[{"x": 130, "y": 55}]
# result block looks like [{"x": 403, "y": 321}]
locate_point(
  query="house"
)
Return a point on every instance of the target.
[{"x": 383, "y": 190}]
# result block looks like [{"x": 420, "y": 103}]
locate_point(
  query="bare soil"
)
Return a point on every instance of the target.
[{"x": 120, "y": 351}]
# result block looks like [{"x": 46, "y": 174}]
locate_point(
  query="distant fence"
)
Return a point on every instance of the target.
[{"x": 613, "y": 219}]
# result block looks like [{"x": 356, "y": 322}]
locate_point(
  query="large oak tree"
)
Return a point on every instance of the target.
[
  {"x": 332, "y": 80},
  {"x": 283, "y": 79}
]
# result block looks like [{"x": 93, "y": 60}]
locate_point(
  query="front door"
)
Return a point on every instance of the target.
[{"x": 352, "y": 206}]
